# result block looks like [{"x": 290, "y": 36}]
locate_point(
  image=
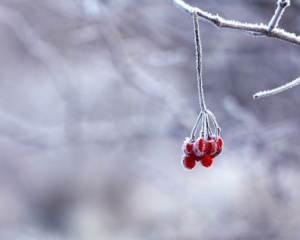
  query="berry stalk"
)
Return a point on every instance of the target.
[
  {"x": 205, "y": 114},
  {"x": 199, "y": 61},
  {"x": 193, "y": 133}
]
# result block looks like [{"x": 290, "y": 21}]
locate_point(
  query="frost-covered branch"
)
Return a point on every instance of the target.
[
  {"x": 253, "y": 29},
  {"x": 277, "y": 90},
  {"x": 281, "y": 6}
]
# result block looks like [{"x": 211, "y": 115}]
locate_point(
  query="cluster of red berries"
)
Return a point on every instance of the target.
[{"x": 202, "y": 150}]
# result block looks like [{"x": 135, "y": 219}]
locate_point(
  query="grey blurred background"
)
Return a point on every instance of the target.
[{"x": 96, "y": 98}]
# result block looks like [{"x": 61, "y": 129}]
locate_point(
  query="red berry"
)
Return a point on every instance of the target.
[
  {"x": 188, "y": 162},
  {"x": 220, "y": 143},
  {"x": 212, "y": 147},
  {"x": 207, "y": 161},
  {"x": 188, "y": 146},
  {"x": 200, "y": 147}
]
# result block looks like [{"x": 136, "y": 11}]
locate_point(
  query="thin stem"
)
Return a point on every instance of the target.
[
  {"x": 217, "y": 128},
  {"x": 210, "y": 132},
  {"x": 204, "y": 124},
  {"x": 199, "y": 62},
  {"x": 277, "y": 90},
  {"x": 193, "y": 133},
  {"x": 207, "y": 128},
  {"x": 281, "y": 6},
  {"x": 253, "y": 29}
]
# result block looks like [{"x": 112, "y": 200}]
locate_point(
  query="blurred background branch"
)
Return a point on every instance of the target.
[{"x": 95, "y": 100}]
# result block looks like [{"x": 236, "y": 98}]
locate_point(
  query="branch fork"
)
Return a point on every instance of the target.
[{"x": 281, "y": 6}]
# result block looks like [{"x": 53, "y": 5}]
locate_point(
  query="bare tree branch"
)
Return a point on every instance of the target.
[{"x": 253, "y": 29}]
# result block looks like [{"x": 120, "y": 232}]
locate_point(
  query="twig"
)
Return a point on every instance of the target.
[
  {"x": 281, "y": 6},
  {"x": 277, "y": 90}
]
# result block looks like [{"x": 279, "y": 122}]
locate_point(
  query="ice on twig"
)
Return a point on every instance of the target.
[{"x": 277, "y": 90}]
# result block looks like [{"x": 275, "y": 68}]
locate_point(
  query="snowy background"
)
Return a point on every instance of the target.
[{"x": 96, "y": 98}]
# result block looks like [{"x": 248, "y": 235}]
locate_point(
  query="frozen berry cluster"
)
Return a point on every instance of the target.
[{"x": 202, "y": 150}]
